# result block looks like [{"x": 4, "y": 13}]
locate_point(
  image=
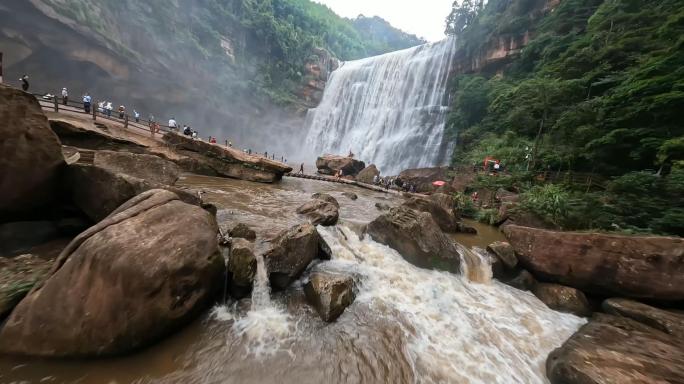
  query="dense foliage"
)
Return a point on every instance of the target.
[{"x": 597, "y": 89}]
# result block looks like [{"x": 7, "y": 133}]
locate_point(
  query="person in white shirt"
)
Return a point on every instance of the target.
[
  {"x": 86, "y": 102},
  {"x": 172, "y": 124},
  {"x": 65, "y": 96},
  {"x": 109, "y": 108}
]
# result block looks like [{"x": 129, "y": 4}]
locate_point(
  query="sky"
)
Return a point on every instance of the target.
[{"x": 424, "y": 18}]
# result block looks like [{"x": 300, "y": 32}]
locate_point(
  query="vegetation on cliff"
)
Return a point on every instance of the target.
[{"x": 597, "y": 89}]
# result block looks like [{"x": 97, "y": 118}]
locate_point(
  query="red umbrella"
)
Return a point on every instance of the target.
[{"x": 438, "y": 183}]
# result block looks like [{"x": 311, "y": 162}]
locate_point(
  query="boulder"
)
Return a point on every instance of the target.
[
  {"x": 320, "y": 212},
  {"x": 326, "y": 197},
  {"x": 80, "y": 134},
  {"x": 368, "y": 174},
  {"x": 242, "y": 266},
  {"x": 150, "y": 168},
  {"x": 224, "y": 161},
  {"x": 110, "y": 293},
  {"x": 17, "y": 276},
  {"x": 447, "y": 202},
  {"x": 616, "y": 350},
  {"x": 329, "y": 293},
  {"x": 350, "y": 195},
  {"x": 290, "y": 253},
  {"x": 562, "y": 298},
  {"x": 648, "y": 267},
  {"x": 382, "y": 207},
  {"x": 30, "y": 157},
  {"x": 523, "y": 281},
  {"x": 98, "y": 191},
  {"x": 242, "y": 231},
  {"x": 417, "y": 237},
  {"x": 669, "y": 322},
  {"x": 446, "y": 220},
  {"x": 504, "y": 252},
  {"x": 423, "y": 178},
  {"x": 331, "y": 164}
]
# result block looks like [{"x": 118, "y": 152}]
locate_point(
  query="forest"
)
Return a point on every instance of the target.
[{"x": 597, "y": 90}]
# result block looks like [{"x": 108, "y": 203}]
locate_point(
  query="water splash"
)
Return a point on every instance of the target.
[
  {"x": 389, "y": 109},
  {"x": 266, "y": 328}
]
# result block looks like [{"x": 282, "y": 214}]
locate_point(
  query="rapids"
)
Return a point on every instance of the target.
[
  {"x": 407, "y": 325},
  {"x": 390, "y": 110}
]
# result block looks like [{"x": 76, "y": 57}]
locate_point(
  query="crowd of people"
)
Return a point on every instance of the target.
[{"x": 394, "y": 183}]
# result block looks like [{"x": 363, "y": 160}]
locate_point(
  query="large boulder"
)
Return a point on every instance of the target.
[
  {"x": 18, "y": 275},
  {"x": 616, "y": 350},
  {"x": 150, "y": 168},
  {"x": 648, "y": 267},
  {"x": 669, "y": 322},
  {"x": 30, "y": 156},
  {"x": 147, "y": 269},
  {"x": 423, "y": 178},
  {"x": 331, "y": 164},
  {"x": 320, "y": 211},
  {"x": 290, "y": 253},
  {"x": 329, "y": 293},
  {"x": 224, "y": 161},
  {"x": 242, "y": 266},
  {"x": 368, "y": 174},
  {"x": 504, "y": 252},
  {"x": 417, "y": 237},
  {"x": 445, "y": 219},
  {"x": 447, "y": 201},
  {"x": 242, "y": 231},
  {"x": 98, "y": 191},
  {"x": 562, "y": 298}
]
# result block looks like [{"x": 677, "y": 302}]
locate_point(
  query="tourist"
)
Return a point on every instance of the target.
[
  {"x": 151, "y": 118},
  {"x": 266, "y": 154},
  {"x": 194, "y": 135},
  {"x": 249, "y": 151},
  {"x": 65, "y": 96},
  {"x": 301, "y": 169},
  {"x": 212, "y": 140},
  {"x": 101, "y": 107},
  {"x": 186, "y": 130},
  {"x": 375, "y": 179},
  {"x": 173, "y": 125},
  {"x": 86, "y": 102},
  {"x": 109, "y": 108},
  {"x": 24, "y": 83},
  {"x": 497, "y": 167},
  {"x": 137, "y": 116},
  {"x": 351, "y": 154},
  {"x": 230, "y": 144},
  {"x": 122, "y": 112}
]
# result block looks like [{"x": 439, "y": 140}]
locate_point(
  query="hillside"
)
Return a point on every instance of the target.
[
  {"x": 226, "y": 66},
  {"x": 577, "y": 86}
]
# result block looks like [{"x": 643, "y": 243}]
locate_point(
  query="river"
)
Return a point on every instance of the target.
[{"x": 407, "y": 325}]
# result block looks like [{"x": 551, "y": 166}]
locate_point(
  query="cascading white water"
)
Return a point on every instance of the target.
[{"x": 390, "y": 110}]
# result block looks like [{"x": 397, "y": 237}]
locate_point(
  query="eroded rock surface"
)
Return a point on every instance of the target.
[
  {"x": 562, "y": 298},
  {"x": 150, "y": 168},
  {"x": 368, "y": 174},
  {"x": 331, "y": 164},
  {"x": 144, "y": 271},
  {"x": 329, "y": 293},
  {"x": 320, "y": 211},
  {"x": 290, "y": 253}
]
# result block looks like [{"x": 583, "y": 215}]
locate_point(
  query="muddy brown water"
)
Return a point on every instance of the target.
[{"x": 406, "y": 325}]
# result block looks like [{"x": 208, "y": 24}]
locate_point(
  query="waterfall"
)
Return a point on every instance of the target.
[{"x": 390, "y": 110}]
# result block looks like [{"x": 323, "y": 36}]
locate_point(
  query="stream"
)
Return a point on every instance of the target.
[{"x": 407, "y": 325}]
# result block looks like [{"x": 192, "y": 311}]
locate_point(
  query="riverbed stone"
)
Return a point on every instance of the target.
[
  {"x": 31, "y": 157},
  {"x": 329, "y": 293},
  {"x": 290, "y": 253},
  {"x": 331, "y": 164},
  {"x": 504, "y": 252},
  {"x": 320, "y": 212},
  {"x": 523, "y": 281},
  {"x": 641, "y": 267},
  {"x": 326, "y": 197},
  {"x": 368, "y": 174},
  {"x": 562, "y": 298},
  {"x": 138, "y": 275},
  {"x": 243, "y": 231},
  {"x": 150, "y": 168},
  {"x": 417, "y": 237},
  {"x": 616, "y": 350},
  {"x": 446, "y": 220},
  {"x": 242, "y": 266},
  {"x": 350, "y": 195}
]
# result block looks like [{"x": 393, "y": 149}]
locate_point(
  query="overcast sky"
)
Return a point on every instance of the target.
[{"x": 424, "y": 18}]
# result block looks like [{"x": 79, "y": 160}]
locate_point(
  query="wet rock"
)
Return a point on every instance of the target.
[
  {"x": 331, "y": 164},
  {"x": 563, "y": 299},
  {"x": 30, "y": 157},
  {"x": 150, "y": 168},
  {"x": 242, "y": 266},
  {"x": 616, "y": 350},
  {"x": 464, "y": 228},
  {"x": 17, "y": 276},
  {"x": 504, "y": 252},
  {"x": 227, "y": 162},
  {"x": 290, "y": 253},
  {"x": 326, "y": 197},
  {"x": 417, "y": 237},
  {"x": 329, "y": 293},
  {"x": 446, "y": 221},
  {"x": 669, "y": 322},
  {"x": 98, "y": 191},
  {"x": 350, "y": 195},
  {"x": 423, "y": 178},
  {"x": 648, "y": 267},
  {"x": 324, "y": 251},
  {"x": 382, "y": 206},
  {"x": 136, "y": 276},
  {"x": 523, "y": 281},
  {"x": 320, "y": 212},
  {"x": 242, "y": 231},
  {"x": 368, "y": 174},
  {"x": 447, "y": 202}
]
